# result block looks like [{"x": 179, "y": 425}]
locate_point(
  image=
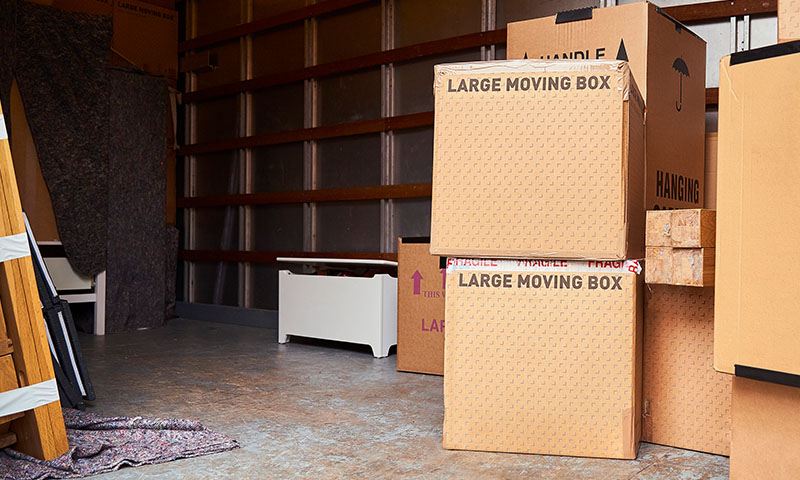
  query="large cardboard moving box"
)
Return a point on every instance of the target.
[
  {"x": 420, "y": 308},
  {"x": 766, "y": 431},
  {"x": 687, "y": 404},
  {"x": 543, "y": 356},
  {"x": 537, "y": 159},
  {"x": 668, "y": 62},
  {"x": 758, "y": 214}
]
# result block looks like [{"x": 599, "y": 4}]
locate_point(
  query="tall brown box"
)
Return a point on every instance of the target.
[
  {"x": 668, "y": 62},
  {"x": 146, "y": 35},
  {"x": 687, "y": 404},
  {"x": 758, "y": 213},
  {"x": 420, "y": 308},
  {"x": 766, "y": 431},
  {"x": 543, "y": 356},
  {"x": 536, "y": 159}
]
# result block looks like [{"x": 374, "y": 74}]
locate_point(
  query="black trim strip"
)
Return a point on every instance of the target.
[
  {"x": 574, "y": 15},
  {"x": 764, "y": 375},
  {"x": 763, "y": 53},
  {"x": 416, "y": 239},
  {"x": 442, "y": 262},
  {"x": 679, "y": 27}
]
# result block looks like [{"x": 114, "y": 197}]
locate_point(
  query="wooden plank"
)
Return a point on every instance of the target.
[
  {"x": 9, "y": 418},
  {"x": 694, "y": 228},
  {"x": 410, "y": 52},
  {"x": 204, "y": 61},
  {"x": 7, "y": 439},
  {"x": 6, "y": 347},
  {"x": 658, "y": 265},
  {"x": 271, "y": 256},
  {"x": 684, "y": 228},
  {"x": 693, "y": 267},
  {"x": 658, "y": 228},
  {"x": 715, "y": 10},
  {"x": 378, "y": 192},
  {"x": 274, "y": 21},
  {"x": 41, "y": 431},
  {"x": 8, "y": 374},
  {"x": 680, "y": 266},
  {"x": 414, "y": 120}
]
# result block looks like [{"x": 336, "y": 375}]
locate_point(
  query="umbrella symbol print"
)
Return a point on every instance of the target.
[{"x": 680, "y": 66}]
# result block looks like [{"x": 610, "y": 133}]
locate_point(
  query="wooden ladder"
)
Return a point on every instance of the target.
[{"x": 24, "y": 353}]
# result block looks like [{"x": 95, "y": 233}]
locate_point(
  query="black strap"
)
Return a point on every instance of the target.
[
  {"x": 762, "y": 53},
  {"x": 574, "y": 15},
  {"x": 764, "y": 375}
]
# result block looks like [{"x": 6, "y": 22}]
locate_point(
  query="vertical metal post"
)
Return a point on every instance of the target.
[
  {"x": 190, "y": 164},
  {"x": 246, "y": 161},
  {"x": 387, "y": 242},
  {"x": 310, "y": 146}
]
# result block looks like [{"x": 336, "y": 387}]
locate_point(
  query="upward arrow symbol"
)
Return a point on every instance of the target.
[{"x": 417, "y": 277}]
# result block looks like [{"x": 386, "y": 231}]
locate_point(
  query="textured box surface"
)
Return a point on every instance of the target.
[
  {"x": 788, "y": 20},
  {"x": 543, "y": 356},
  {"x": 687, "y": 404},
  {"x": 766, "y": 431},
  {"x": 758, "y": 211},
  {"x": 537, "y": 159},
  {"x": 668, "y": 62},
  {"x": 420, "y": 308}
]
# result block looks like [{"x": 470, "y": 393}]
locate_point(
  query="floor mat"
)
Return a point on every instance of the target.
[{"x": 100, "y": 444}]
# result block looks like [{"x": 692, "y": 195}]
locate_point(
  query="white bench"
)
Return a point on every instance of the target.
[{"x": 359, "y": 310}]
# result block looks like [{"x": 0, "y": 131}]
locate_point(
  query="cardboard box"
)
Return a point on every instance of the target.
[
  {"x": 668, "y": 62},
  {"x": 766, "y": 431},
  {"x": 687, "y": 404},
  {"x": 93, "y": 7},
  {"x": 543, "y": 356},
  {"x": 146, "y": 35},
  {"x": 537, "y": 159},
  {"x": 758, "y": 212},
  {"x": 420, "y": 308},
  {"x": 711, "y": 172},
  {"x": 788, "y": 20}
]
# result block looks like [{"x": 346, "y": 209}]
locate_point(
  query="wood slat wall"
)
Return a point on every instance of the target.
[{"x": 685, "y": 13}]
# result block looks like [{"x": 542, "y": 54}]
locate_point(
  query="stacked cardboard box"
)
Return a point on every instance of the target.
[
  {"x": 758, "y": 263},
  {"x": 420, "y": 308},
  {"x": 538, "y": 159},
  {"x": 539, "y": 192}
]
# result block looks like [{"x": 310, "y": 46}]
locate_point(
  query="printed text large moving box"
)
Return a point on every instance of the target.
[
  {"x": 668, "y": 62},
  {"x": 758, "y": 213},
  {"x": 543, "y": 356},
  {"x": 538, "y": 159}
]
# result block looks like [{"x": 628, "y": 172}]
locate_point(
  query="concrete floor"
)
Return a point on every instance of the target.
[{"x": 316, "y": 411}]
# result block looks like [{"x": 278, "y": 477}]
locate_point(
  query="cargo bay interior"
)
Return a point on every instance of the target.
[{"x": 244, "y": 226}]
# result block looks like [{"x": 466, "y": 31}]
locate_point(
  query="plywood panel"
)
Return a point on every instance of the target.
[
  {"x": 349, "y": 34},
  {"x": 33, "y": 192},
  {"x": 278, "y": 168},
  {"x": 418, "y": 21},
  {"x": 349, "y": 227},
  {"x": 349, "y": 162},
  {"x": 350, "y": 97}
]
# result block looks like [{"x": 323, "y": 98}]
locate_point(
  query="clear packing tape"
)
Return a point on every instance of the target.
[
  {"x": 28, "y": 398},
  {"x": 14, "y": 246}
]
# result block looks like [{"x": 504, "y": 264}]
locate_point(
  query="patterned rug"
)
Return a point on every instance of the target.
[{"x": 100, "y": 444}]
